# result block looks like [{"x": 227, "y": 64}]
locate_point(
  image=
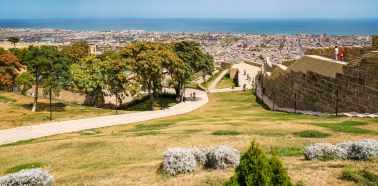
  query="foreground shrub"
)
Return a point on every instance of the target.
[
  {"x": 222, "y": 157},
  {"x": 256, "y": 168},
  {"x": 358, "y": 150},
  {"x": 179, "y": 160},
  {"x": 27, "y": 177}
]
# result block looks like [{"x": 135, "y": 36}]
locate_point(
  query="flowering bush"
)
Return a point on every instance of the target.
[
  {"x": 183, "y": 160},
  {"x": 179, "y": 160},
  {"x": 222, "y": 157},
  {"x": 27, "y": 177},
  {"x": 359, "y": 150}
]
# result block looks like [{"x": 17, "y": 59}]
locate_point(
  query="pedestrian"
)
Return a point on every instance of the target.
[
  {"x": 336, "y": 53},
  {"x": 244, "y": 86},
  {"x": 194, "y": 95},
  {"x": 342, "y": 54}
]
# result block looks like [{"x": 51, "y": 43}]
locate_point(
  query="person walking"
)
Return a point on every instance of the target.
[
  {"x": 342, "y": 54},
  {"x": 336, "y": 53}
]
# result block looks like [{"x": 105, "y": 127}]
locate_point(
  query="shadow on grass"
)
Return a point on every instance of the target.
[{"x": 55, "y": 107}]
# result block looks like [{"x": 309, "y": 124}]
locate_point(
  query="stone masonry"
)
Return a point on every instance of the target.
[{"x": 357, "y": 88}]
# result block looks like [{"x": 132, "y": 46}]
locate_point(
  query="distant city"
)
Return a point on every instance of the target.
[{"x": 225, "y": 47}]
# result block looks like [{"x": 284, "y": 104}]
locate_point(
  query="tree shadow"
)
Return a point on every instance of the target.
[{"x": 55, "y": 107}]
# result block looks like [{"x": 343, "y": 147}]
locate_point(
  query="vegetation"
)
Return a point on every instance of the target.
[
  {"x": 135, "y": 150},
  {"x": 24, "y": 81},
  {"x": 226, "y": 82},
  {"x": 50, "y": 68},
  {"x": 77, "y": 50},
  {"x": 345, "y": 126},
  {"x": 9, "y": 68},
  {"x": 226, "y": 132},
  {"x": 147, "y": 59},
  {"x": 312, "y": 134},
  {"x": 256, "y": 168},
  {"x": 14, "y": 40},
  {"x": 24, "y": 166},
  {"x": 361, "y": 177}
]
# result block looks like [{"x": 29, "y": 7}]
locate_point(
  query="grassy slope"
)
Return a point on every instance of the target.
[
  {"x": 225, "y": 82},
  {"x": 16, "y": 111},
  {"x": 131, "y": 154}
]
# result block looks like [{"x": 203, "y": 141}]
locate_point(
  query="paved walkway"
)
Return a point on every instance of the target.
[
  {"x": 213, "y": 84},
  {"x": 226, "y": 90},
  {"x": 47, "y": 129}
]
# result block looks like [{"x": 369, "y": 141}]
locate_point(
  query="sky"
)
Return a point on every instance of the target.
[{"x": 20, "y": 9}]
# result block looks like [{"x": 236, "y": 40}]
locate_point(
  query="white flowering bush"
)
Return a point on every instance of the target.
[
  {"x": 325, "y": 151},
  {"x": 222, "y": 157},
  {"x": 179, "y": 160},
  {"x": 27, "y": 177},
  {"x": 359, "y": 150},
  {"x": 184, "y": 160}
]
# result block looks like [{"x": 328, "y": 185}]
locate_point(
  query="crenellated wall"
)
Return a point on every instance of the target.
[
  {"x": 351, "y": 53},
  {"x": 357, "y": 85}
]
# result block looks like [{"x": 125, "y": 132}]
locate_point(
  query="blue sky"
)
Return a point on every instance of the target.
[{"x": 188, "y": 9}]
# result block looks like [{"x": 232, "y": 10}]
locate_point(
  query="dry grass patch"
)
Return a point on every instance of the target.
[{"x": 131, "y": 154}]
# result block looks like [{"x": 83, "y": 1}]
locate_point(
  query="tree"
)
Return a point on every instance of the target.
[
  {"x": 77, "y": 50},
  {"x": 25, "y": 80},
  {"x": 256, "y": 168},
  {"x": 9, "y": 68},
  {"x": 50, "y": 68},
  {"x": 118, "y": 80},
  {"x": 194, "y": 61},
  {"x": 147, "y": 60},
  {"x": 90, "y": 76},
  {"x": 2, "y": 51},
  {"x": 14, "y": 40}
]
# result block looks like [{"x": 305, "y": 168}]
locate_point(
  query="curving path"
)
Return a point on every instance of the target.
[
  {"x": 214, "y": 83},
  {"x": 48, "y": 129}
]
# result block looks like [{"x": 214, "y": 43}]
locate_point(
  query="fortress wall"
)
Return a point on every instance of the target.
[
  {"x": 357, "y": 87},
  {"x": 375, "y": 42},
  {"x": 351, "y": 53}
]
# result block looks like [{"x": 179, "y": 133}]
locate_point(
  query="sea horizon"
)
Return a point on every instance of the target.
[{"x": 347, "y": 26}]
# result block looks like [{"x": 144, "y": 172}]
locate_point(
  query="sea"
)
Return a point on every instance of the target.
[{"x": 246, "y": 26}]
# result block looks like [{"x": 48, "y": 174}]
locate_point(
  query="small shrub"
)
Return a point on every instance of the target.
[
  {"x": 222, "y": 157},
  {"x": 179, "y": 160},
  {"x": 27, "y": 177},
  {"x": 361, "y": 150},
  {"x": 358, "y": 150},
  {"x": 256, "y": 168},
  {"x": 89, "y": 132},
  {"x": 226, "y": 132},
  {"x": 324, "y": 151},
  {"x": 312, "y": 134},
  {"x": 199, "y": 155}
]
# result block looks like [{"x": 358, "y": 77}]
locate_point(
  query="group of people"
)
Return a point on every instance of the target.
[{"x": 339, "y": 53}]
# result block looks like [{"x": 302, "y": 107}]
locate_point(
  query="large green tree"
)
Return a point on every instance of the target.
[
  {"x": 194, "y": 61},
  {"x": 119, "y": 82},
  {"x": 147, "y": 60},
  {"x": 90, "y": 76},
  {"x": 50, "y": 68},
  {"x": 25, "y": 81}
]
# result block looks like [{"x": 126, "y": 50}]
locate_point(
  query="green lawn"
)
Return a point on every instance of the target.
[
  {"x": 226, "y": 82},
  {"x": 131, "y": 154}
]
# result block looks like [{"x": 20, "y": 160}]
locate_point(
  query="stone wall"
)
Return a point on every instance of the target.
[
  {"x": 351, "y": 53},
  {"x": 375, "y": 42},
  {"x": 357, "y": 87}
]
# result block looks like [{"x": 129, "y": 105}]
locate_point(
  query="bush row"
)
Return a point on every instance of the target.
[
  {"x": 357, "y": 150},
  {"x": 183, "y": 160}
]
